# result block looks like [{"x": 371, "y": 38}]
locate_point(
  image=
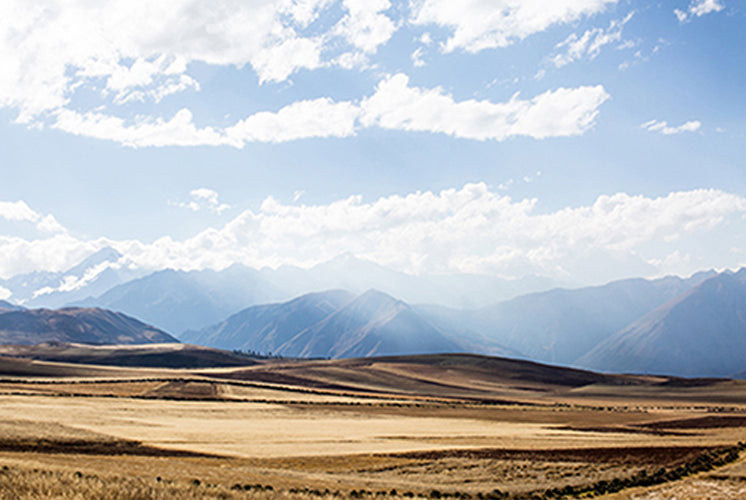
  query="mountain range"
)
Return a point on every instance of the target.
[
  {"x": 177, "y": 300},
  {"x": 694, "y": 326},
  {"x": 332, "y": 324},
  {"x": 674, "y": 326},
  {"x": 93, "y": 276}
]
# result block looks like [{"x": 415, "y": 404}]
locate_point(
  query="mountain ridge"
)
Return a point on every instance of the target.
[
  {"x": 76, "y": 325},
  {"x": 700, "y": 333}
]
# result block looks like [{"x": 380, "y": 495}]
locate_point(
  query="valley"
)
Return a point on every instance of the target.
[{"x": 449, "y": 425}]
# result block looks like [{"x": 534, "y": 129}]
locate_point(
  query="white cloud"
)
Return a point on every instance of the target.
[
  {"x": 561, "y": 112},
  {"x": 299, "y": 120},
  {"x": 393, "y": 105},
  {"x": 365, "y": 26},
  {"x": 203, "y": 199},
  {"x": 665, "y": 129},
  {"x": 698, "y": 8},
  {"x": 141, "y": 50},
  {"x": 487, "y": 24},
  {"x": 5, "y": 294},
  {"x": 417, "y": 60},
  {"x": 145, "y": 131},
  {"x": 589, "y": 44},
  {"x": 303, "y": 119},
  {"x": 471, "y": 229},
  {"x": 19, "y": 211}
]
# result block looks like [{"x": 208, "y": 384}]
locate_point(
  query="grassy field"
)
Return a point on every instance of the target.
[{"x": 432, "y": 426}]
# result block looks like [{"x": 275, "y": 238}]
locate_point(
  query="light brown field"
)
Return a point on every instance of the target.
[{"x": 461, "y": 425}]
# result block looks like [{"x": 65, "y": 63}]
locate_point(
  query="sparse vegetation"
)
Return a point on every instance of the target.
[{"x": 349, "y": 434}]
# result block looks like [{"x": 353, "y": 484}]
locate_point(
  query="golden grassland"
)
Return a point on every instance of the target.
[{"x": 458, "y": 427}]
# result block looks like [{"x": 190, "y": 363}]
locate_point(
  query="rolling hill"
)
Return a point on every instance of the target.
[
  {"x": 78, "y": 325},
  {"x": 171, "y": 355}
]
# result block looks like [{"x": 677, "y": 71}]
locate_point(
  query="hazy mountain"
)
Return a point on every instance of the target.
[
  {"x": 700, "y": 333},
  {"x": 560, "y": 325},
  {"x": 93, "y": 276},
  {"x": 6, "y": 306},
  {"x": 373, "y": 324},
  {"x": 460, "y": 326},
  {"x": 347, "y": 272},
  {"x": 78, "y": 325},
  {"x": 179, "y": 300},
  {"x": 265, "y": 328}
]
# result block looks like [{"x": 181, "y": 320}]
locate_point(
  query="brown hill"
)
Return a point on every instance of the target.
[
  {"x": 169, "y": 355},
  {"x": 76, "y": 325}
]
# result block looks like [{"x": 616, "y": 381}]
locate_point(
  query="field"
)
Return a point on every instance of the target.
[{"x": 444, "y": 426}]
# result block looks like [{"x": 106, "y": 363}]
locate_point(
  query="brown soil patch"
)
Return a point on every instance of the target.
[{"x": 709, "y": 422}]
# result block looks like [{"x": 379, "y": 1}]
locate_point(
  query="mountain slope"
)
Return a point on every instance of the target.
[
  {"x": 700, "y": 333},
  {"x": 178, "y": 300},
  {"x": 266, "y": 327},
  {"x": 373, "y": 324},
  {"x": 561, "y": 325},
  {"x": 7, "y": 306},
  {"x": 77, "y": 325}
]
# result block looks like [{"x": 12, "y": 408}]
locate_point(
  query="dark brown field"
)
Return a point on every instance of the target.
[{"x": 454, "y": 426}]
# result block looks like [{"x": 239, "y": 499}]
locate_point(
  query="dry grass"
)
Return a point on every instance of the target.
[
  {"x": 467, "y": 428},
  {"x": 17, "y": 483}
]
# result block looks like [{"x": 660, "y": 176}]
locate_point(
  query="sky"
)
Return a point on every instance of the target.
[{"x": 583, "y": 140}]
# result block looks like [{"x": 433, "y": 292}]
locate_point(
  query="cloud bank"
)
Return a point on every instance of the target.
[{"x": 470, "y": 229}]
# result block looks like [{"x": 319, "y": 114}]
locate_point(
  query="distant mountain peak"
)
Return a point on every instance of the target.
[{"x": 106, "y": 254}]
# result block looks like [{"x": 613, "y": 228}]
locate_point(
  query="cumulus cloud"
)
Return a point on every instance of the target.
[
  {"x": 300, "y": 120},
  {"x": 486, "y": 24},
  {"x": 470, "y": 229},
  {"x": 393, "y": 105},
  {"x": 561, "y": 112},
  {"x": 698, "y": 8},
  {"x": 664, "y": 128},
  {"x": 203, "y": 199},
  {"x": 589, "y": 44},
  {"x": 19, "y": 211},
  {"x": 142, "y": 51},
  {"x": 365, "y": 26}
]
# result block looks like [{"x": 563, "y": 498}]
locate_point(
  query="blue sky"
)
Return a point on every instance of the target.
[{"x": 584, "y": 140}]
